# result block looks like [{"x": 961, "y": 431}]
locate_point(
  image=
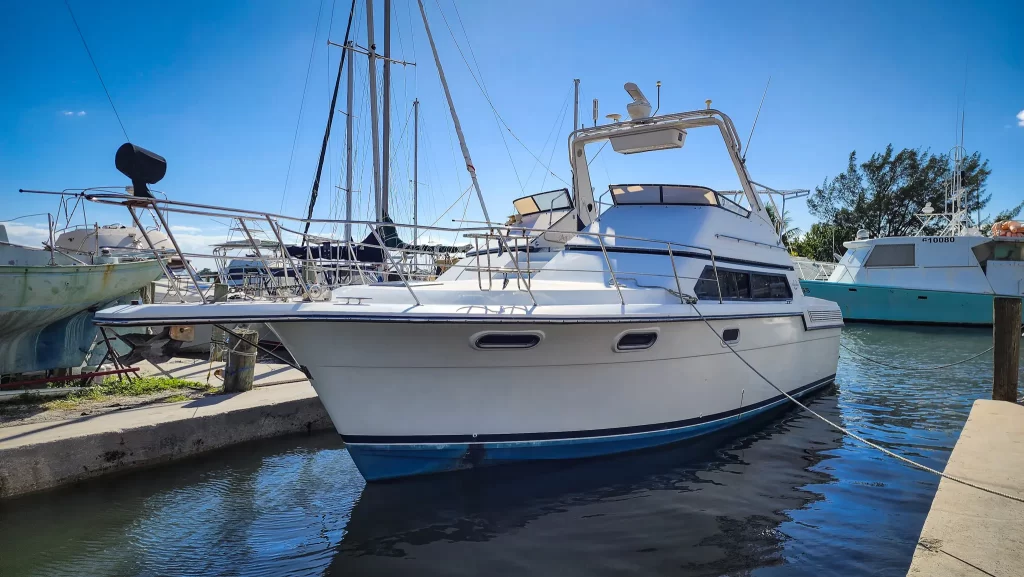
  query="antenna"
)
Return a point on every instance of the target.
[
  {"x": 659, "y": 99},
  {"x": 758, "y": 115},
  {"x": 963, "y": 111}
]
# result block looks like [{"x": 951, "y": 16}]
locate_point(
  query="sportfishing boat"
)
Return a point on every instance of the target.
[
  {"x": 672, "y": 314},
  {"x": 946, "y": 277}
]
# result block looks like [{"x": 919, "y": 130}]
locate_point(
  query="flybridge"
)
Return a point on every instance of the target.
[{"x": 649, "y": 133}]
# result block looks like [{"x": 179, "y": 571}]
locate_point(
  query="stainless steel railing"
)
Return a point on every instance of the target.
[{"x": 409, "y": 265}]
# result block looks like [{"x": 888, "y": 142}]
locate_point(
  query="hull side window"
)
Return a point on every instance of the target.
[
  {"x": 885, "y": 255},
  {"x": 742, "y": 285}
]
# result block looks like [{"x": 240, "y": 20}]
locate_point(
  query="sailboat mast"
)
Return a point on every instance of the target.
[
  {"x": 348, "y": 150},
  {"x": 375, "y": 134},
  {"x": 415, "y": 170},
  {"x": 327, "y": 132},
  {"x": 455, "y": 120},
  {"x": 386, "y": 169}
]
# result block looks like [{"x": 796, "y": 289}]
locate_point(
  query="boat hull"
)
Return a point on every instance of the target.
[
  {"x": 46, "y": 312},
  {"x": 412, "y": 399},
  {"x": 379, "y": 462},
  {"x": 868, "y": 303}
]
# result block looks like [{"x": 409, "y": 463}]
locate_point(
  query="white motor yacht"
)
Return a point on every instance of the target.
[{"x": 634, "y": 332}]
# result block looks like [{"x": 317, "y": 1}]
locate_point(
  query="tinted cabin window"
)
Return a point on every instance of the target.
[
  {"x": 742, "y": 285},
  {"x": 891, "y": 255},
  {"x": 1008, "y": 251},
  {"x": 770, "y": 286}
]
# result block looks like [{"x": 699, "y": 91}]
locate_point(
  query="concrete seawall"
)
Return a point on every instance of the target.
[
  {"x": 40, "y": 456},
  {"x": 968, "y": 531}
]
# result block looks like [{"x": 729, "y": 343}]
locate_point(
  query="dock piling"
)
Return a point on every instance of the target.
[
  {"x": 241, "y": 360},
  {"x": 1006, "y": 330},
  {"x": 217, "y": 335}
]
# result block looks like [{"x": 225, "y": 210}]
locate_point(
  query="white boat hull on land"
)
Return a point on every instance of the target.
[{"x": 41, "y": 325}]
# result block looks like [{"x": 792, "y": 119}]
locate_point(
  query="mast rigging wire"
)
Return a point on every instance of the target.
[
  {"x": 472, "y": 54},
  {"x": 554, "y": 129},
  {"x": 302, "y": 103},
  {"x": 97, "y": 69},
  {"x": 491, "y": 104},
  {"x": 330, "y": 119}
]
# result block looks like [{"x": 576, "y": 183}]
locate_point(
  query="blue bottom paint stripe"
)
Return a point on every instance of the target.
[
  {"x": 562, "y": 435},
  {"x": 380, "y": 461}
]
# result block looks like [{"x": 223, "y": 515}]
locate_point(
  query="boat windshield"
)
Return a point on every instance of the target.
[
  {"x": 543, "y": 202},
  {"x": 624, "y": 194}
]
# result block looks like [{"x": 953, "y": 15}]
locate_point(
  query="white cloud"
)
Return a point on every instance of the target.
[
  {"x": 68, "y": 113},
  {"x": 1020, "y": 118},
  {"x": 193, "y": 240},
  {"x": 80, "y": 113},
  {"x": 26, "y": 234},
  {"x": 73, "y": 113}
]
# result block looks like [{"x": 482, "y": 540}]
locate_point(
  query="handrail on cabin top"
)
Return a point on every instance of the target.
[{"x": 473, "y": 232}]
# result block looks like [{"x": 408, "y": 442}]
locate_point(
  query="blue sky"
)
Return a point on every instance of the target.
[{"x": 216, "y": 88}]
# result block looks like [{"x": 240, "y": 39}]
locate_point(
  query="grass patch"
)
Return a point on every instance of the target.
[
  {"x": 146, "y": 386},
  {"x": 176, "y": 390},
  {"x": 114, "y": 387}
]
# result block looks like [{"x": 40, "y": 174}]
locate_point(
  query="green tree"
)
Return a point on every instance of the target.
[
  {"x": 788, "y": 233},
  {"x": 821, "y": 243},
  {"x": 1008, "y": 214},
  {"x": 885, "y": 193}
]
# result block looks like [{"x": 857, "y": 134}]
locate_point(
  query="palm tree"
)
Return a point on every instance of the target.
[{"x": 787, "y": 233}]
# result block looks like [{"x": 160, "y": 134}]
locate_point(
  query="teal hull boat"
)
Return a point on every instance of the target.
[{"x": 869, "y": 303}]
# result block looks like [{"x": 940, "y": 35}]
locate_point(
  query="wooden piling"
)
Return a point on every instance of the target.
[
  {"x": 1006, "y": 328},
  {"x": 218, "y": 337},
  {"x": 241, "y": 360}
]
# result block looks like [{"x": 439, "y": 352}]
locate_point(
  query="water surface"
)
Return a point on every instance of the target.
[{"x": 789, "y": 497}]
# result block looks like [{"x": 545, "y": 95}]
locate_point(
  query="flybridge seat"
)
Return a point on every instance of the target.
[{"x": 675, "y": 194}]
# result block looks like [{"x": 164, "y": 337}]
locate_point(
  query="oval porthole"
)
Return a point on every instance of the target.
[
  {"x": 516, "y": 340},
  {"x": 636, "y": 341}
]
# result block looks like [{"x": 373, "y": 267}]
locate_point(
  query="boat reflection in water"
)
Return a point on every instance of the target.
[
  {"x": 709, "y": 508},
  {"x": 298, "y": 506}
]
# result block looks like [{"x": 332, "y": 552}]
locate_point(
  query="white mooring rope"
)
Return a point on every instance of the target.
[{"x": 846, "y": 431}]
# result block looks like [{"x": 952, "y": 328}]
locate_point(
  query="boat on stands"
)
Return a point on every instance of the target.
[
  {"x": 48, "y": 297},
  {"x": 672, "y": 314}
]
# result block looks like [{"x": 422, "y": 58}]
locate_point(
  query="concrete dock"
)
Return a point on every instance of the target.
[
  {"x": 43, "y": 455},
  {"x": 970, "y": 532}
]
